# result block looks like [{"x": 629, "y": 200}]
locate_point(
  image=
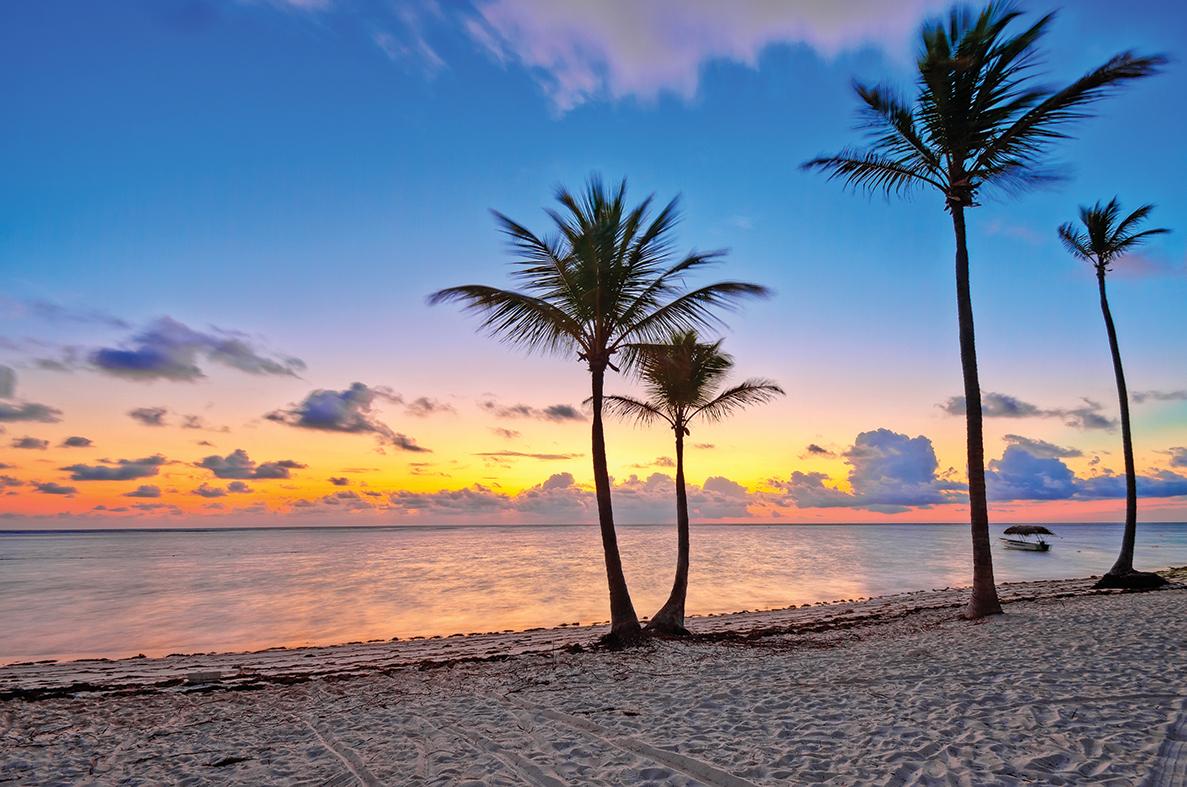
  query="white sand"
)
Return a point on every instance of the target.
[{"x": 1068, "y": 688}]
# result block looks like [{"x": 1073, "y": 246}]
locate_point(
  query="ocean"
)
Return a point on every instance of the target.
[{"x": 119, "y": 593}]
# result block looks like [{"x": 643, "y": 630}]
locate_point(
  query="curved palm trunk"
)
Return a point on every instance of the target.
[
  {"x": 984, "y": 600},
  {"x": 624, "y": 623},
  {"x": 670, "y": 618},
  {"x": 1122, "y": 574}
]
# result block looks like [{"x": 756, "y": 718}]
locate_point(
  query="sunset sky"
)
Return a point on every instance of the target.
[{"x": 220, "y": 220}]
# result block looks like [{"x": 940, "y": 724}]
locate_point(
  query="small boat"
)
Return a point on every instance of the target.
[{"x": 1028, "y": 537}]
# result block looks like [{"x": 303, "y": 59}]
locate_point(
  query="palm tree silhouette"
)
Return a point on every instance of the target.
[
  {"x": 978, "y": 120},
  {"x": 606, "y": 279},
  {"x": 1103, "y": 239},
  {"x": 682, "y": 377}
]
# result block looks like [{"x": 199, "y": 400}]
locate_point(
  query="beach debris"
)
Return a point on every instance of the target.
[{"x": 205, "y": 676}]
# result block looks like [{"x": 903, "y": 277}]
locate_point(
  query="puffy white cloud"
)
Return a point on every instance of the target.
[
  {"x": 1022, "y": 475},
  {"x": 888, "y": 472}
]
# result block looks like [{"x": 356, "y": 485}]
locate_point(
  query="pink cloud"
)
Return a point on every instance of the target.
[{"x": 617, "y": 49}]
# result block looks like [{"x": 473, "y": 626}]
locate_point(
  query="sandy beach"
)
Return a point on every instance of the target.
[{"x": 1071, "y": 686}]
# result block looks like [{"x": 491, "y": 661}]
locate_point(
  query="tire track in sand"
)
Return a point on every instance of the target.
[
  {"x": 344, "y": 753},
  {"x": 1170, "y": 765},
  {"x": 700, "y": 770}
]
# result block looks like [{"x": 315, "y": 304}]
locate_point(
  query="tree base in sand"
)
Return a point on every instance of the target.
[{"x": 1131, "y": 580}]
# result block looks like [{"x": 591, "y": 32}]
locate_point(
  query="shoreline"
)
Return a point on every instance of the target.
[{"x": 250, "y": 670}]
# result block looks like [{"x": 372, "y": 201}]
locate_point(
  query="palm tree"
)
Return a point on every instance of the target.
[
  {"x": 682, "y": 377},
  {"x": 978, "y": 119},
  {"x": 1101, "y": 242},
  {"x": 608, "y": 278}
]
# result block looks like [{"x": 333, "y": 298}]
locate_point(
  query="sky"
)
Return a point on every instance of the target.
[{"x": 220, "y": 221}]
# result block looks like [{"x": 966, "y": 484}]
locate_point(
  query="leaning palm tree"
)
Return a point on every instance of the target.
[
  {"x": 1104, "y": 238},
  {"x": 978, "y": 120},
  {"x": 607, "y": 278},
  {"x": 683, "y": 377}
]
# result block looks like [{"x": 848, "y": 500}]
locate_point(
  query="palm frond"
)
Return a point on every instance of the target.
[
  {"x": 629, "y": 408},
  {"x": 696, "y": 310},
  {"x": 874, "y": 171},
  {"x": 606, "y": 276},
  {"x": 753, "y": 391},
  {"x": 1103, "y": 236},
  {"x": 516, "y": 318},
  {"x": 1076, "y": 242},
  {"x": 1025, "y": 138}
]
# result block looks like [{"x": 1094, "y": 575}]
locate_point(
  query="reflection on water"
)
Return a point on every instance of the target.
[{"x": 76, "y": 595}]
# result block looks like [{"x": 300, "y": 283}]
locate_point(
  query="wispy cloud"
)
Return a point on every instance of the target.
[
  {"x": 170, "y": 350},
  {"x": 998, "y": 405}
]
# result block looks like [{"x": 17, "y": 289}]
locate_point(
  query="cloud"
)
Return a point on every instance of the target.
[
  {"x": 999, "y": 405},
  {"x": 423, "y": 407},
  {"x": 32, "y": 443},
  {"x": 814, "y": 450},
  {"x": 239, "y": 465},
  {"x": 1042, "y": 448},
  {"x": 350, "y": 411},
  {"x": 120, "y": 470},
  {"x": 207, "y": 491},
  {"x": 559, "y": 498},
  {"x": 994, "y": 405},
  {"x": 339, "y": 481},
  {"x": 51, "y": 311},
  {"x": 75, "y": 441},
  {"x": 889, "y": 472},
  {"x": 1022, "y": 475},
  {"x": 1178, "y": 457},
  {"x": 1159, "y": 396},
  {"x": 238, "y": 488},
  {"x": 29, "y": 411},
  {"x": 170, "y": 350},
  {"x": 22, "y": 411},
  {"x": 586, "y": 51},
  {"x": 523, "y": 455},
  {"x": 149, "y": 416},
  {"x": 553, "y": 412},
  {"x": 53, "y": 488},
  {"x": 144, "y": 490},
  {"x": 198, "y": 422},
  {"x": 7, "y": 480},
  {"x": 704, "y": 446},
  {"x": 507, "y": 434}
]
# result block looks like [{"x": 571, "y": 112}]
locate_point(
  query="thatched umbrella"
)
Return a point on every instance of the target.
[{"x": 1027, "y": 530}]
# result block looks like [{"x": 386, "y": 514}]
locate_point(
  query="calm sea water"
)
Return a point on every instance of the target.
[{"x": 120, "y": 593}]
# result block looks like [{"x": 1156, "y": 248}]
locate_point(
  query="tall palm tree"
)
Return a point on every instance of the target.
[
  {"x": 607, "y": 278},
  {"x": 978, "y": 119},
  {"x": 683, "y": 377},
  {"x": 1104, "y": 238}
]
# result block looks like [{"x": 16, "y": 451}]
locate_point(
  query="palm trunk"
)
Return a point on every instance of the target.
[
  {"x": 1124, "y": 564},
  {"x": 624, "y": 623},
  {"x": 1122, "y": 574},
  {"x": 670, "y": 618},
  {"x": 984, "y": 600}
]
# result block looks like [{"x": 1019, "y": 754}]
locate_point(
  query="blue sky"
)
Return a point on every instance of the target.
[{"x": 307, "y": 172}]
